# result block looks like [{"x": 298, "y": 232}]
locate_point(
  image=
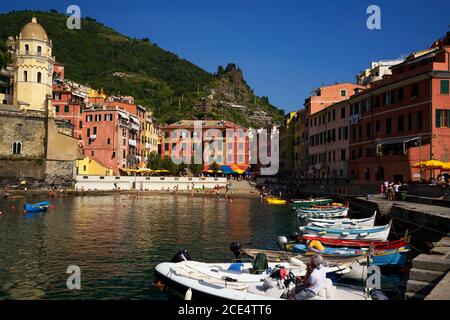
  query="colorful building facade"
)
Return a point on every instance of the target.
[
  {"x": 403, "y": 119},
  {"x": 329, "y": 142},
  {"x": 215, "y": 141}
]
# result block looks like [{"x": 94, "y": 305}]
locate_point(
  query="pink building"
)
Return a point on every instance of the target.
[{"x": 107, "y": 138}]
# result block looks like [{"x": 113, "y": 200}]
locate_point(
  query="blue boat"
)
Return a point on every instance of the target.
[
  {"x": 36, "y": 207},
  {"x": 393, "y": 257}
]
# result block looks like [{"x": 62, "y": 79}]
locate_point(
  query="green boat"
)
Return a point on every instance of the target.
[{"x": 307, "y": 203}]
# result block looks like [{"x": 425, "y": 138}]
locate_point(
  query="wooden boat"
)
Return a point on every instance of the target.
[
  {"x": 322, "y": 214},
  {"x": 310, "y": 202},
  {"x": 380, "y": 233},
  {"x": 36, "y": 207},
  {"x": 275, "y": 201},
  {"x": 379, "y": 257},
  {"x": 368, "y": 222},
  {"x": 283, "y": 256},
  {"x": 330, "y": 242},
  {"x": 225, "y": 281}
]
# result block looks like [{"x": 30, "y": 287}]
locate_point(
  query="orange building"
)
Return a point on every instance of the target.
[
  {"x": 402, "y": 119},
  {"x": 314, "y": 121}
]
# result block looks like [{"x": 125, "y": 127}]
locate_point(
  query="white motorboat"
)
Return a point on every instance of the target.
[{"x": 225, "y": 281}]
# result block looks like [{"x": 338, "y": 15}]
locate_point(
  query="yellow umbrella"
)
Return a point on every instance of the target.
[
  {"x": 446, "y": 166},
  {"x": 429, "y": 164}
]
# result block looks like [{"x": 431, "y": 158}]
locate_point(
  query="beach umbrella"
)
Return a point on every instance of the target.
[
  {"x": 429, "y": 164},
  {"x": 446, "y": 166}
]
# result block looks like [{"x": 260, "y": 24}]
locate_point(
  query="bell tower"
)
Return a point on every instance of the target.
[{"x": 33, "y": 69}]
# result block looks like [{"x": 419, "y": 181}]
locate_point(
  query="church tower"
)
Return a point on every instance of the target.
[{"x": 33, "y": 69}]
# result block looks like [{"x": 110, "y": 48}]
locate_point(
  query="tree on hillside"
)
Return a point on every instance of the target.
[{"x": 5, "y": 57}]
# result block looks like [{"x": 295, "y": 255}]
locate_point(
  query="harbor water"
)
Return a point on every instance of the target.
[{"x": 117, "y": 241}]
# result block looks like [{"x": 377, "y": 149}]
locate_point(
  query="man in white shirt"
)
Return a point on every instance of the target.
[{"x": 314, "y": 279}]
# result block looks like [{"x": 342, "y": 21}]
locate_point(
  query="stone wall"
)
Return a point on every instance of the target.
[
  {"x": 59, "y": 172},
  {"x": 29, "y": 129},
  {"x": 12, "y": 170}
]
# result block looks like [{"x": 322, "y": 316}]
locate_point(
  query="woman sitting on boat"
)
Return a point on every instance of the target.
[{"x": 313, "y": 281}]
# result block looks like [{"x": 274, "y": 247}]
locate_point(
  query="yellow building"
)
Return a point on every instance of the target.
[
  {"x": 33, "y": 69},
  {"x": 151, "y": 134},
  {"x": 90, "y": 167}
]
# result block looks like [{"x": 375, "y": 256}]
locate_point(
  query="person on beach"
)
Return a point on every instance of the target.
[{"x": 313, "y": 281}]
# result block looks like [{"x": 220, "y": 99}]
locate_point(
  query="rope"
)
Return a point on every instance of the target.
[{"x": 413, "y": 247}]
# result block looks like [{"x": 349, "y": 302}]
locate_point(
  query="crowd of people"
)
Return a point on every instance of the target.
[{"x": 392, "y": 189}]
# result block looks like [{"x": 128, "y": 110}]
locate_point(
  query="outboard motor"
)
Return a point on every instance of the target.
[
  {"x": 181, "y": 255},
  {"x": 282, "y": 242},
  {"x": 235, "y": 247}
]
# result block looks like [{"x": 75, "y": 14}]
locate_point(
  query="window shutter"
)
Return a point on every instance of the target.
[
  {"x": 438, "y": 118},
  {"x": 444, "y": 86}
]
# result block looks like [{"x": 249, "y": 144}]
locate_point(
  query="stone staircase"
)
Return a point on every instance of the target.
[{"x": 428, "y": 270}]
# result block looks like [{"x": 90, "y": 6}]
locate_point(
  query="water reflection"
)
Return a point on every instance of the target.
[{"x": 117, "y": 241}]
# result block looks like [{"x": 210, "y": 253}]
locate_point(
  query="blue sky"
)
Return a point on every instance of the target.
[{"x": 286, "y": 48}]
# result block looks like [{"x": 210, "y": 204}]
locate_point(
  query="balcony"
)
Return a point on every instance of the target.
[{"x": 134, "y": 126}]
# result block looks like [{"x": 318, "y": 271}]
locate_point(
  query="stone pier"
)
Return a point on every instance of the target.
[{"x": 429, "y": 276}]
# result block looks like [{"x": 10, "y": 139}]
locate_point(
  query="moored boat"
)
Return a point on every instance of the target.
[
  {"x": 238, "y": 281},
  {"x": 380, "y": 233},
  {"x": 275, "y": 201},
  {"x": 379, "y": 257},
  {"x": 36, "y": 207},
  {"x": 334, "y": 261},
  {"x": 322, "y": 214},
  {"x": 368, "y": 222},
  {"x": 307, "y": 203},
  {"x": 386, "y": 245}
]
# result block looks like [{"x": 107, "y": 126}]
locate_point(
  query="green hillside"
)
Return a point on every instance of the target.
[{"x": 99, "y": 56}]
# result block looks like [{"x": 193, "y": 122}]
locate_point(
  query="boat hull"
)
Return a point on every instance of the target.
[
  {"x": 37, "y": 207},
  {"x": 395, "y": 257},
  {"x": 330, "y": 242},
  {"x": 310, "y": 203},
  {"x": 367, "y": 222},
  {"x": 325, "y": 214},
  {"x": 217, "y": 289},
  {"x": 353, "y": 233}
]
